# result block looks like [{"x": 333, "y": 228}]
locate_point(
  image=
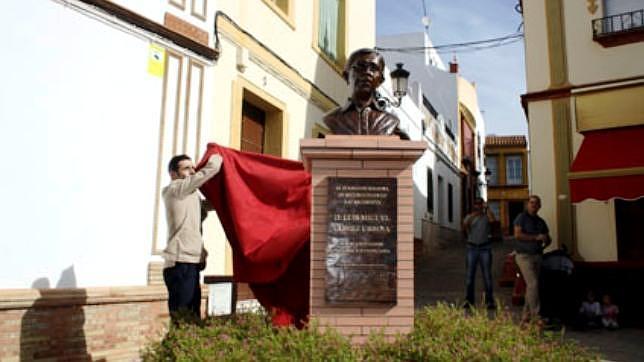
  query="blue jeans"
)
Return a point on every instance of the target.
[
  {"x": 184, "y": 289},
  {"x": 476, "y": 256}
]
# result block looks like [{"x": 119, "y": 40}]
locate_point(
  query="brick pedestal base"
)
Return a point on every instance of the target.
[{"x": 364, "y": 157}]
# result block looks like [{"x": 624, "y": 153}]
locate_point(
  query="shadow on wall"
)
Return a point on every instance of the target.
[{"x": 52, "y": 328}]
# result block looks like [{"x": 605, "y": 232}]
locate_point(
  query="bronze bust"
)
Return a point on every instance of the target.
[{"x": 362, "y": 115}]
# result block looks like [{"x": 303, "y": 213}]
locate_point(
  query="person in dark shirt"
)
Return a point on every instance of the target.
[{"x": 531, "y": 233}]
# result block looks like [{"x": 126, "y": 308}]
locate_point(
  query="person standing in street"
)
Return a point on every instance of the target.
[
  {"x": 531, "y": 233},
  {"x": 479, "y": 251},
  {"x": 185, "y": 255}
]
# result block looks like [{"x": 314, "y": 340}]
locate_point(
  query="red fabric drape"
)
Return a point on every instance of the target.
[{"x": 264, "y": 205}]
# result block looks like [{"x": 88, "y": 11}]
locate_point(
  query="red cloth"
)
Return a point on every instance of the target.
[
  {"x": 264, "y": 205},
  {"x": 603, "y": 150}
]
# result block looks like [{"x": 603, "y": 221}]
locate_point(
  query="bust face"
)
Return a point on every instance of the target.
[{"x": 365, "y": 74}]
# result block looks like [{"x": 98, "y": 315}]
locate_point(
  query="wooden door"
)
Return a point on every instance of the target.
[{"x": 253, "y": 125}]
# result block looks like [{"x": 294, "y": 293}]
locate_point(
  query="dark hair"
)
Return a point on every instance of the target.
[
  {"x": 173, "y": 165},
  {"x": 358, "y": 53},
  {"x": 536, "y": 197}
]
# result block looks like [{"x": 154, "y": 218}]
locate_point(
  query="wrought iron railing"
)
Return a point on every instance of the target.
[{"x": 619, "y": 23}]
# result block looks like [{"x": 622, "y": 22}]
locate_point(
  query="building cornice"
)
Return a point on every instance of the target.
[
  {"x": 140, "y": 21},
  {"x": 567, "y": 91}
]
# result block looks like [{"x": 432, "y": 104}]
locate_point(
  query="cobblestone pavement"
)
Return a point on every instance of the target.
[{"x": 440, "y": 277}]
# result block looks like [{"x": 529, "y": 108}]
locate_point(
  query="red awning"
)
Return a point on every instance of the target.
[{"x": 609, "y": 164}]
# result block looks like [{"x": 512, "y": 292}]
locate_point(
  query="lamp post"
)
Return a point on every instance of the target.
[{"x": 399, "y": 80}]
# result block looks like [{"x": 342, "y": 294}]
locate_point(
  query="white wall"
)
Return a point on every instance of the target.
[
  {"x": 411, "y": 118},
  {"x": 438, "y": 85},
  {"x": 440, "y": 88},
  {"x": 79, "y": 120}
]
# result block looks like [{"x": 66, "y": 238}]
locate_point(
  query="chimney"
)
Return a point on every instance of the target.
[{"x": 453, "y": 65}]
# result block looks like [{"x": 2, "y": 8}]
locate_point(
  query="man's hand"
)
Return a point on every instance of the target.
[
  {"x": 202, "y": 266},
  {"x": 215, "y": 162}
]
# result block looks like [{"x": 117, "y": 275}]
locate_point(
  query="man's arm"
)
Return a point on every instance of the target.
[
  {"x": 191, "y": 183},
  {"x": 546, "y": 234},
  {"x": 520, "y": 235},
  {"x": 489, "y": 214},
  {"x": 467, "y": 223}
]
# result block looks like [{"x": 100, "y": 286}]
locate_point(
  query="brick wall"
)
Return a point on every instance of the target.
[{"x": 81, "y": 324}]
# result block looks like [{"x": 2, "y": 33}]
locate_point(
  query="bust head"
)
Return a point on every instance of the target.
[{"x": 364, "y": 72}]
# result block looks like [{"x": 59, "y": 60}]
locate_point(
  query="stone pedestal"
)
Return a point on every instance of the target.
[{"x": 372, "y": 161}]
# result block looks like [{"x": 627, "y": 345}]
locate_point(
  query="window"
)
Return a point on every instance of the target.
[
  {"x": 330, "y": 34},
  {"x": 615, "y": 7},
  {"x": 513, "y": 170},
  {"x": 623, "y": 23},
  {"x": 450, "y": 203},
  {"x": 492, "y": 165},
  {"x": 430, "y": 191},
  {"x": 283, "y": 8},
  {"x": 495, "y": 207},
  {"x": 281, "y": 4}
]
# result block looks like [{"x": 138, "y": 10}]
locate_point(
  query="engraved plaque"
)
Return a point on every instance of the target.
[{"x": 361, "y": 241}]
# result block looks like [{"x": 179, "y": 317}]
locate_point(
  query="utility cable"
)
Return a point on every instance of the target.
[{"x": 460, "y": 47}]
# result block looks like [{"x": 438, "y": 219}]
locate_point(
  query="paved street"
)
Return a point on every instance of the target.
[{"x": 440, "y": 276}]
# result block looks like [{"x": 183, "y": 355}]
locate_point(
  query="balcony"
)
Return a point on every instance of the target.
[{"x": 619, "y": 29}]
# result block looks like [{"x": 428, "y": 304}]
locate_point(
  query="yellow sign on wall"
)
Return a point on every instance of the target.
[{"x": 156, "y": 60}]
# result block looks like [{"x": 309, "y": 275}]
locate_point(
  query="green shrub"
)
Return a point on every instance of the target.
[
  {"x": 441, "y": 333},
  {"x": 248, "y": 337}
]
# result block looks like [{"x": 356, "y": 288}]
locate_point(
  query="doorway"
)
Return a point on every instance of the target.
[
  {"x": 441, "y": 203},
  {"x": 514, "y": 209},
  {"x": 252, "y": 128},
  {"x": 630, "y": 235}
]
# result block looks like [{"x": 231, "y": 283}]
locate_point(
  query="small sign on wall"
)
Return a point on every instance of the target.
[{"x": 156, "y": 60}]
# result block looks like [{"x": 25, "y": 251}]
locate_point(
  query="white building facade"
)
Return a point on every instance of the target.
[
  {"x": 98, "y": 95},
  {"x": 445, "y": 99}
]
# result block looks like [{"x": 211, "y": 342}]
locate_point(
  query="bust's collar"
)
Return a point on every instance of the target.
[{"x": 349, "y": 105}]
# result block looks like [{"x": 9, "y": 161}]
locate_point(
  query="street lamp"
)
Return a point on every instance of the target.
[{"x": 399, "y": 79}]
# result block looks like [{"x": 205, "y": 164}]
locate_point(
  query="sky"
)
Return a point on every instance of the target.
[{"x": 499, "y": 73}]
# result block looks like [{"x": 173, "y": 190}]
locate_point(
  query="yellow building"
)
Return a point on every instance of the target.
[
  {"x": 507, "y": 180},
  {"x": 585, "y": 110},
  {"x": 579, "y": 82}
]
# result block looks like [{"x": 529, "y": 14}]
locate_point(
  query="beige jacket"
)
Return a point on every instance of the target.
[{"x": 183, "y": 215}]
